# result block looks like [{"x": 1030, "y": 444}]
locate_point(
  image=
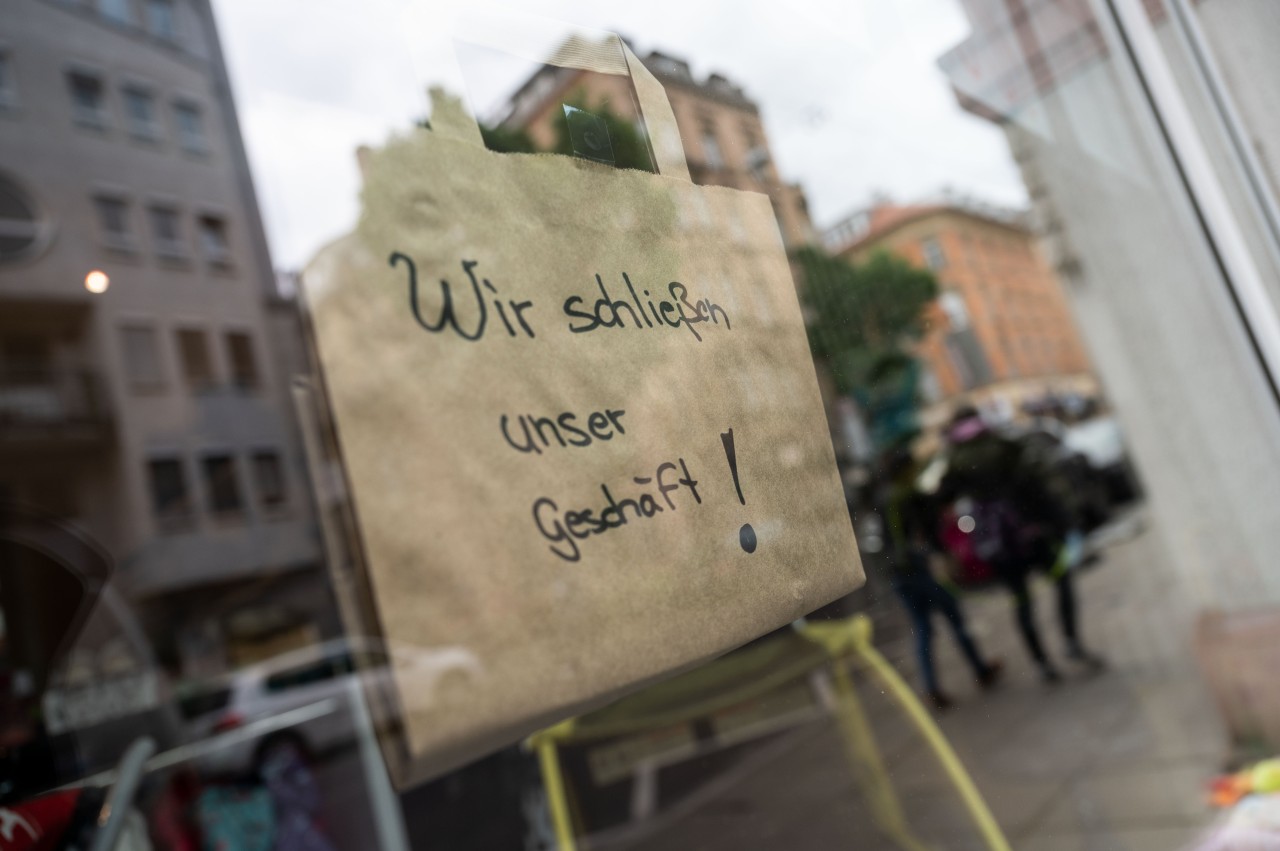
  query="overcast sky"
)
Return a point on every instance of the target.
[{"x": 850, "y": 91}]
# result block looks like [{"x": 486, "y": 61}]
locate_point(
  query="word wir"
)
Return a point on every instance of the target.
[
  {"x": 449, "y": 316},
  {"x": 565, "y": 529}
]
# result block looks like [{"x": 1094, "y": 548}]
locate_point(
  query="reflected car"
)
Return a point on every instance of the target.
[
  {"x": 302, "y": 700},
  {"x": 1101, "y": 442}
]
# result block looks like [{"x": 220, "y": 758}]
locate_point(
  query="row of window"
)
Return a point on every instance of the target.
[
  {"x": 141, "y": 106},
  {"x": 156, "y": 16},
  {"x": 172, "y": 500},
  {"x": 144, "y": 364},
  {"x": 168, "y": 232}
]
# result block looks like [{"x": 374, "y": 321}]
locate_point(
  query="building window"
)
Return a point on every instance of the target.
[
  {"x": 221, "y": 484},
  {"x": 268, "y": 477},
  {"x": 8, "y": 84},
  {"x": 933, "y": 256},
  {"x": 19, "y": 225},
  {"x": 140, "y": 112},
  {"x": 190, "y": 126},
  {"x": 758, "y": 164},
  {"x": 120, "y": 11},
  {"x": 169, "y": 500},
  {"x": 197, "y": 366},
  {"x": 26, "y": 359},
  {"x": 113, "y": 222},
  {"x": 166, "y": 231},
  {"x": 955, "y": 309},
  {"x": 711, "y": 149},
  {"x": 213, "y": 240},
  {"x": 160, "y": 19},
  {"x": 141, "y": 347},
  {"x": 244, "y": 369},
  {"x": 88, "y": 99}
]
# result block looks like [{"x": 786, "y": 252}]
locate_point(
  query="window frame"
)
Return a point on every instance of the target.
[
  {"x": 275, "y": 456},
  {"x": 35, "y": 229},
  {"x": 9, "y": 98},
  {"x": 137, "y": 384},
  {"x": 100, "y": 117},
  {"x": 220, "y": 256},
  {"x": 211, "y": 483},
  {"x": 129, "y": 17},
  {"x": 177, "y": 248},
  {"x": 149, "y": 19},
  {"x": 197, "y": 143},
  {"x": 170, "y": 519},
  {"x": 234, "y": 378},
  {"x": 196, "y": 386},
  {"x": 123, "y": 240},
  {"x": 150, "y": 129},
  {"x": 932, "y": 242}
]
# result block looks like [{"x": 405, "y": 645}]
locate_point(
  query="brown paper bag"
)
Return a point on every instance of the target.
[{"x": 543, "y": 374}]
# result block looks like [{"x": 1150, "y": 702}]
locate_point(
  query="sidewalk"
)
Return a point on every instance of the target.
[{"x": 1116, "y": 760}]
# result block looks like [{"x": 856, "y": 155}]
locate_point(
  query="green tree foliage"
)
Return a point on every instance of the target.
[
  {"x": 625, "y": 140},
  {"x": 507, "y": 140},
  {"x": 863, "y": 318},
  {"x": 629, "y": 147}
]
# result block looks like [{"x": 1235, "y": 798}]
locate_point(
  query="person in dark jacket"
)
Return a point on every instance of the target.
[
  {"x": 1006, "y": 504},
  {"x": 911, "y": 519}
]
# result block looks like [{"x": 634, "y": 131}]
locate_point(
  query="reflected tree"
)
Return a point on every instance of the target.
[
  {"x": 628, "y": 144},
  {"x": 863, "y": 321}
]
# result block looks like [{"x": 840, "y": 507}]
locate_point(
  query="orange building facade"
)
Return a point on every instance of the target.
[{"x": 1001, "y": 331}]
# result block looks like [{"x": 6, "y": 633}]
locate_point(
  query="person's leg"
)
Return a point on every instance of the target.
[
  {"x": 946, "y": 603},
  {"x": 1067, "y": 610},
  {"x": 1016, "y": 579},
  {"x": 915, "y": 598},
  {"x": 1068, "y": 620}
]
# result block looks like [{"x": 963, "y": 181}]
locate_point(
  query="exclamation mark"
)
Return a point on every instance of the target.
[{"x": 746, "y": 535}]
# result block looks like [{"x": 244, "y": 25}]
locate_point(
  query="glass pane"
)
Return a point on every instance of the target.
[{"x": 467, "y": 433}]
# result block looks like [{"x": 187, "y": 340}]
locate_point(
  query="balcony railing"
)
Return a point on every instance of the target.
[{"x": 52, "y": 405}]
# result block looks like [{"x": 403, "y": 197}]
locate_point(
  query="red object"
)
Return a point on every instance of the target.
[
  {"x": 37, "y": 824},
  {"x": 971, "y": 570},
  {"x": 228, "y": 722}
]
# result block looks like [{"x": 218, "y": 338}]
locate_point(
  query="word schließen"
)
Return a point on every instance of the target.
[
  {"x": 680, "y": 310},
  {"x": 565, "y": 528}
]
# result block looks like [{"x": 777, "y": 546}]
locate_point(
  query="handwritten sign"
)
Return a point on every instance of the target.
[{"x": 581, "y": 428}]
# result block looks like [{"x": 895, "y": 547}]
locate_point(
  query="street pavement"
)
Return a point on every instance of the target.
[{"x": 1115, "y": 761}]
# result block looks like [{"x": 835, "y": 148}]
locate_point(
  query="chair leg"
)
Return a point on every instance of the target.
[
  {"x": 906, "y": 698},
  {"x": 546, "y": 744}
]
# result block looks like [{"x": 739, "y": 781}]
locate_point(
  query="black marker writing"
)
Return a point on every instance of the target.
[
  {"x": 608, "y": 312},
  {"x": 530, "y": 434},
  {"x": 448, "y": 314},
  {"x": 565, "y": 528}
]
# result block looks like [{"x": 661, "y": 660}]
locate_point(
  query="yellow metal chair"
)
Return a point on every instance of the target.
[{"x": 840, "y": 642}]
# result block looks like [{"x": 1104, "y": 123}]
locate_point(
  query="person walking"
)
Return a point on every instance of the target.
[
  {"x": 911, "y": 521},
  {"x": 1007, "y": 508}
]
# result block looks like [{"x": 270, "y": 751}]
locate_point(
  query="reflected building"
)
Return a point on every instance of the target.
[
  {"x": 723, "y": 133},
  {"x": 140, "y": 399},
  {"x": 1000, "y": 334}
]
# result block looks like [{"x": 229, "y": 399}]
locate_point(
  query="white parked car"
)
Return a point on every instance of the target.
[{"x": 302, "y": 699}]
